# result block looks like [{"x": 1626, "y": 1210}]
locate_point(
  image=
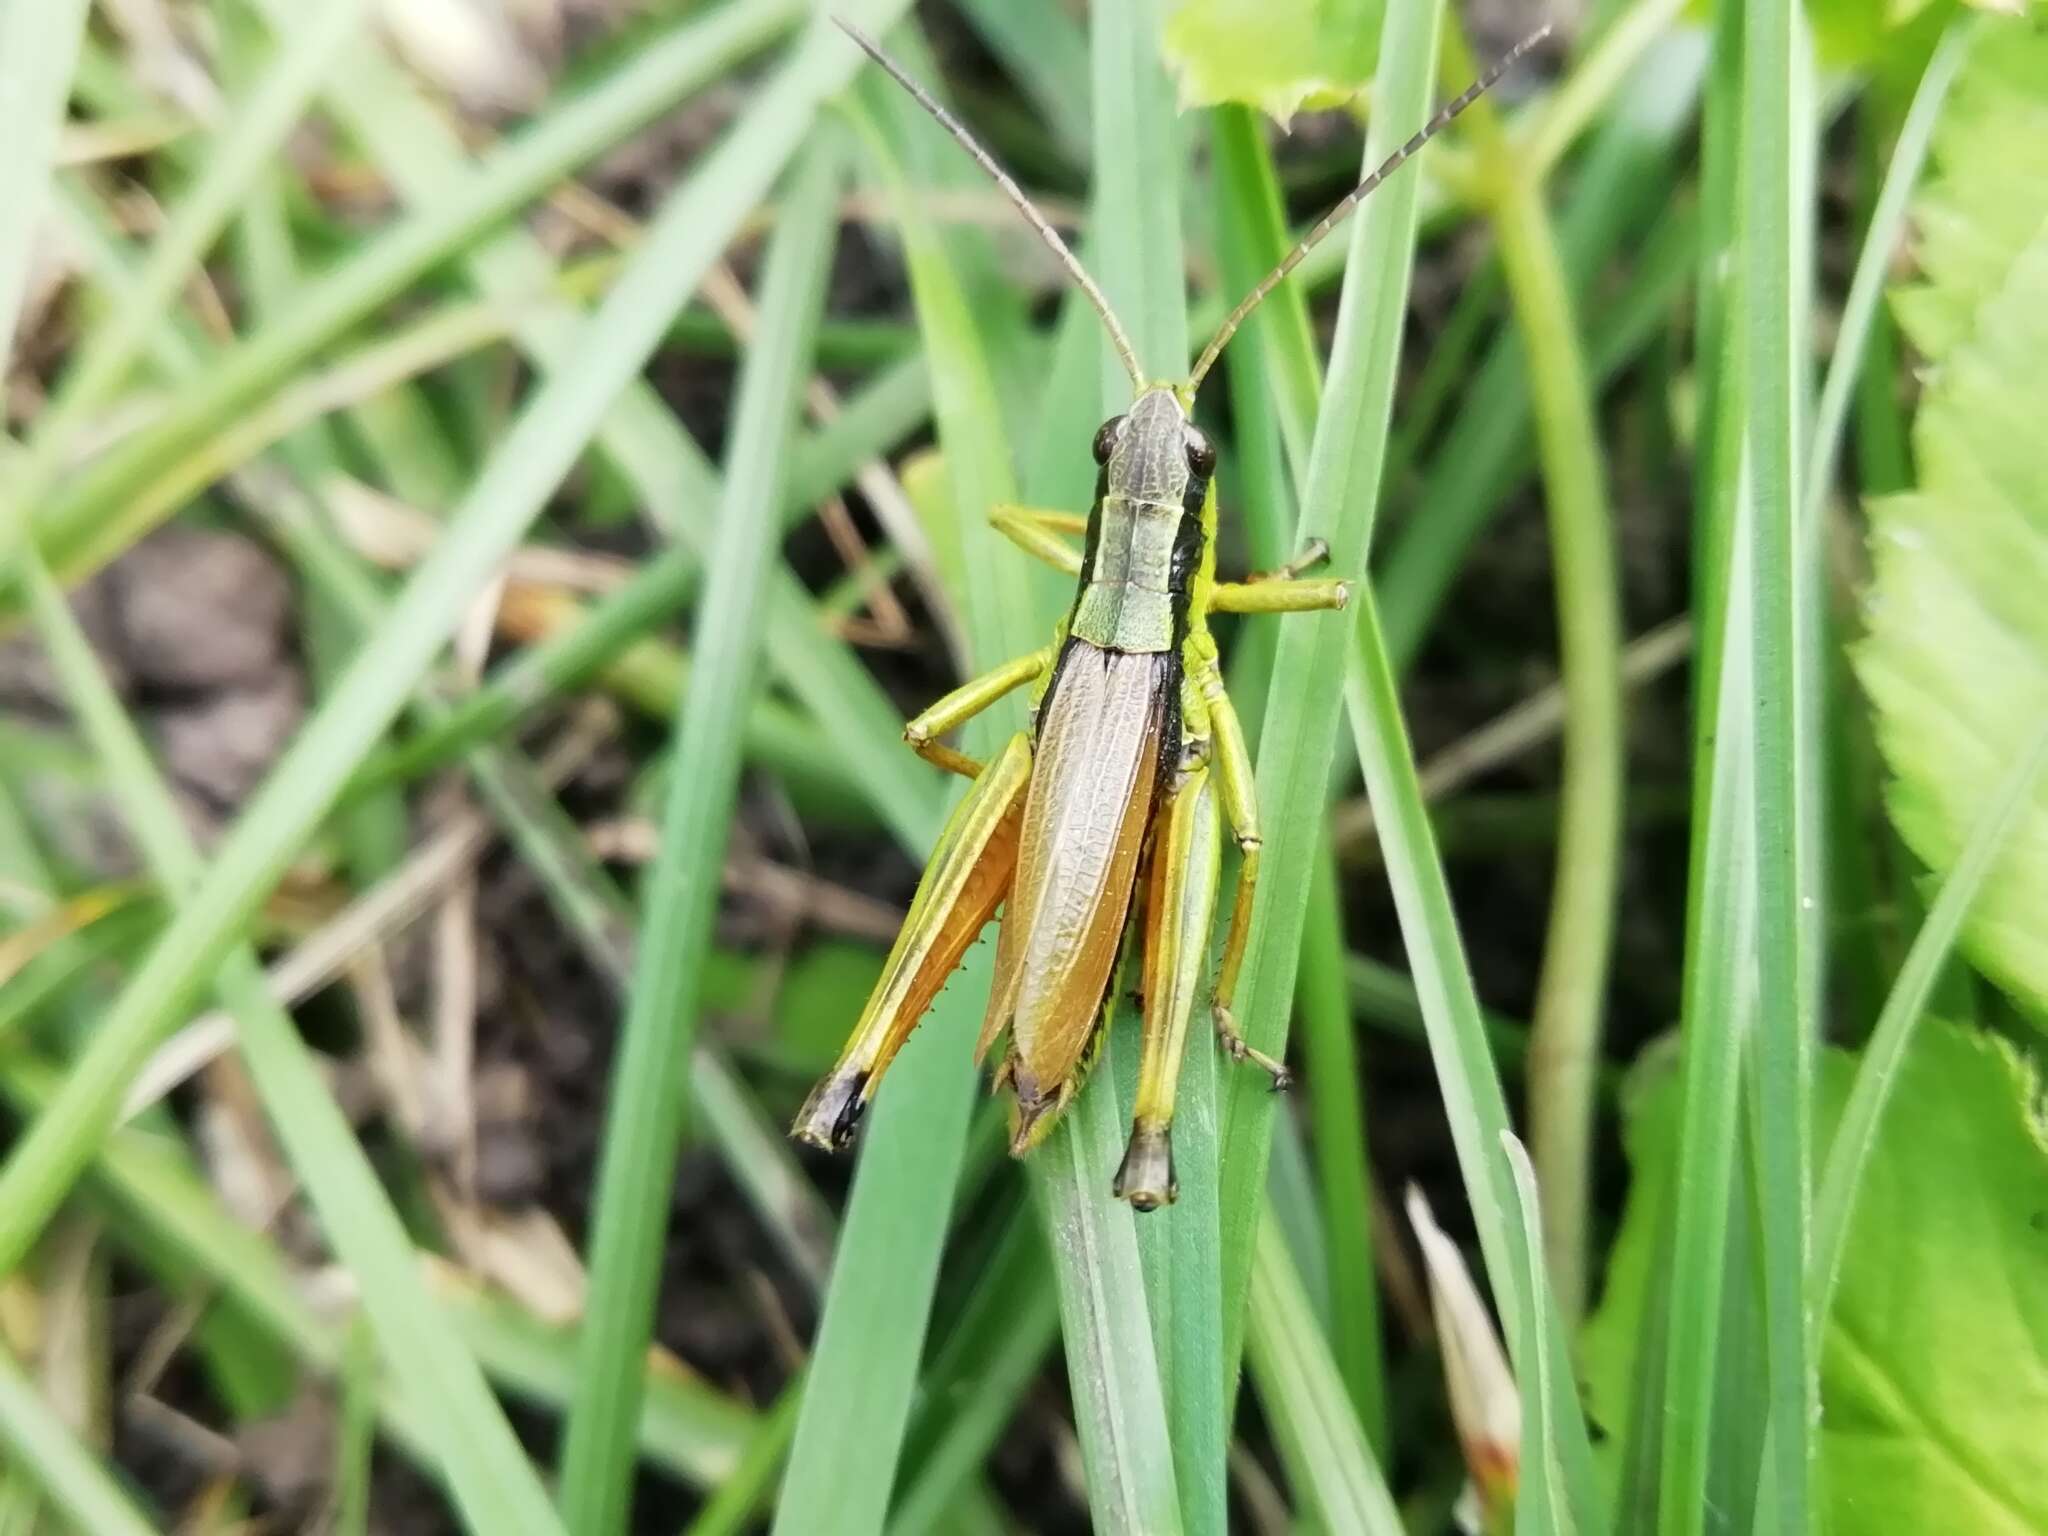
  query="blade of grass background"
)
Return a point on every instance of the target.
[
  {"x": 1542, "y": 1505},
  {"x": 1297, "y": 740},
  {"x": 1619, "y": 190},
  {"x": 242, "y": 148},
  {"x": 1112, "y": 1369},
  {"x": 487, "y": 1471},
  {"x": 1571, "y": 987},
  {"x": 1873, "y": 262},
  {"x": 1329, "y": 1465},
  {"x": 1140, "y": 164},
  {"x": 38, "y": 1441},
  {"x": 172, "y": 1220},
  {"x": 1675, "y": 1434},
  {"x": 38, "y": 50},
  {"x": 643, "y": 1122},
  {"x": 1276, "y": 353},
  {"x": 1885, "y": 1052},
  {"x": 73, "y": 525},
  {"x": 650, "y": 449},
  {"x": 877, "y": 1304},
  {"x": 549, "y": 435},
  {"x": 1717, "y": 1018},
  {"x": 1781, "y": 1063},
  {"x": 595, "y": 914}
]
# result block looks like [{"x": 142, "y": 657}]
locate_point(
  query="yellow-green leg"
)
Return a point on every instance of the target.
[
  {"x": 963, "y": 704},
  {"x": 1179, "y": 904},
  {"x": 1037, "y": 532},
  {"x": 1241, "y": 805},
  {"x": 1278, "y": 594}
]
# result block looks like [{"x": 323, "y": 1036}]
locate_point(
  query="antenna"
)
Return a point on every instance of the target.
[
  {"x": 1002, "y": 178},
  {"x": 1357, "y": 195}
]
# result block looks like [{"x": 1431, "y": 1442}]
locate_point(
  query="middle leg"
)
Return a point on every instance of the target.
[
  {"x": 1241, "y": 805},
  {"x": 963, "y": 704}
]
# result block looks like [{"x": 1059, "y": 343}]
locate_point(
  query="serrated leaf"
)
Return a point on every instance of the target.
[
  {"x": 1933, "y": 1376},
  {"x": 1956, "y": 659},
  {"x": 1282, "y": 59}
]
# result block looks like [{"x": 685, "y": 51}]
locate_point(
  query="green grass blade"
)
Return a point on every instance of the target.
[
  {"x": 885, "y": 1268},
  {"x": 644, "y": 1121},
  {"x": 542, "y": 446},
  {"x": 1885, "y": 1051},
  {"x": 38, "y": 50},
  {"x": 1874, "y": 260},
  {"x": 653, "y": 453},
  {"x": 487, "y": 1471},
  {"x": 1782, "y": 1061},
  {"x": 1297, "y": 741},
  {"x": 240, "y": 152},
  {"x": 1717, "y": 1016},
  {"x": 1140, "y": 165},
  {"x": 81, "y": 523},
  {"x": 1542, "y": 1506},
  {"x": 40, "y": 1444},
  {"x": 1328, "y": 1462}
]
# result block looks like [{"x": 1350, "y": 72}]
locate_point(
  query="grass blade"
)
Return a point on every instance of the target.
[
  {"x": 82, "y": 523},
  {"x": 1885, "y": 1052},
  {"x": 1782, "y": 1061},
  {"x": 543, "y": 445},
  {"x": 1873, "y": 262},
  {"x": 1140, "y": 165},
  {"x": 487, "y": 1471},
  {"x": 1542, "y": 1507},
  {"x": 1297, "y": 741},
  {"x": 241, "y": 151},
  {"x": 877, "y": 1305},
  {"x": 644, "y": 1122},
  {"x": 1328, "y": 1461},
  {"x": 39, "y": 1443},
  {"x": 38, "y": 50}
]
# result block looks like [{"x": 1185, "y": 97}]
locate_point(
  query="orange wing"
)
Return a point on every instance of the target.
[{"x": 1085, "y": 819}]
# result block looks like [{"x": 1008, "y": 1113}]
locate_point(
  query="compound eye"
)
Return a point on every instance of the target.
[
  {"x": 1105, "y": 439},
  {"x": 1201, "y": 453}
]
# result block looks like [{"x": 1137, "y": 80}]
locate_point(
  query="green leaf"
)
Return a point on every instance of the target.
[
  {"x": 1956, "y": 662},
  {"x": 1934, "y": 1382},
  {"x": 1932, "y": 1374},
  {"x": 1280, "y": 59}
]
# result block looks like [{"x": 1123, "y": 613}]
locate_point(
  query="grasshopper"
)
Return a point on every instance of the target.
[{"x": 1102, "y": 818}]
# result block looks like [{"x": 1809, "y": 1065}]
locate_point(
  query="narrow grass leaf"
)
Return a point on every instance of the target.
[
  {"x": 877, "y": 1303},
  {"x": 38, "y": 49},
  {"x": 1140, "y": 166},
  {"x": 653, "y": 453},
  {"x": 1542, "y": 1507},
  {"x": 240, "y": 151},
  {"x": 84, "y": 522},
  {"x": 1885, "y": 1052},
  {"x": 1297, "y": 741},
  {"x": 643, "y": 1127},
  {"x": 529, "y": 464},
  {"x": 488, "y": 1473},
  {"x": 1874, "y": 261},
  {"x": 1781, "y": 1062},
  {"x": 1329, "y": 1464},
  {"x": 42, "y": 1446}
]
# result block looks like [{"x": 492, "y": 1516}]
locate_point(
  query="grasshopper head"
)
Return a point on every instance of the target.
[{"x": 1153, "y": 452}]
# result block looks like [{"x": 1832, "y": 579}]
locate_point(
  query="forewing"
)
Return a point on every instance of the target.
[
  {"x": 966, "y": 879},
  {"x": 1085, "y": 818}
]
